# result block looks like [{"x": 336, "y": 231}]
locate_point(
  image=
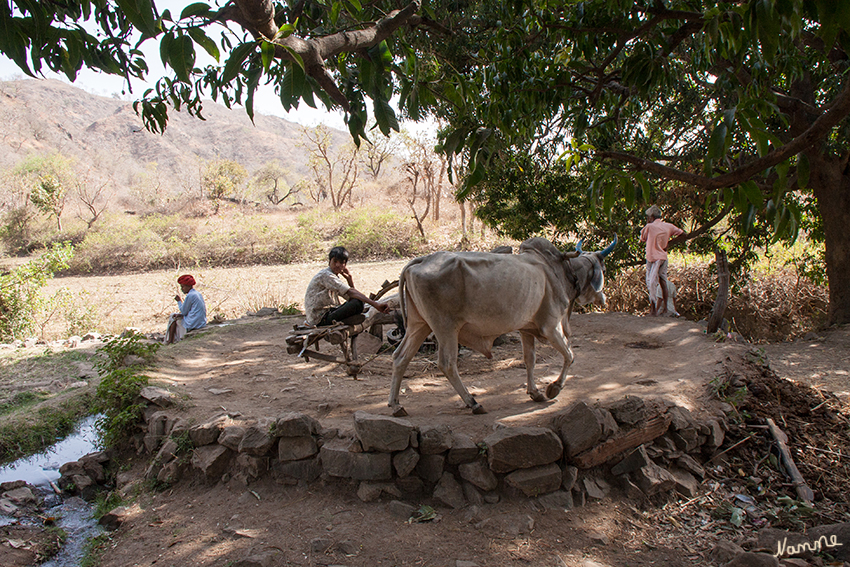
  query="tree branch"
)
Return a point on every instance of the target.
[
  {"x": 257, "y": 18},
  {"x": 837, "y": 111}
]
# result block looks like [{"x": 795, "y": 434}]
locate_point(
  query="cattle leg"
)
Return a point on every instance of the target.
[
  {"x": 447, "y": 363},
  {"x": 559, "y": 339},
  {"x": 530, "y": 358},
  {"x": 415, "y": 335}
]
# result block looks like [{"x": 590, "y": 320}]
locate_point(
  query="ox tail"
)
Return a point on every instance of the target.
[
  {"x": 402, "y": 304},
  {"x": 401, "y": 281}
]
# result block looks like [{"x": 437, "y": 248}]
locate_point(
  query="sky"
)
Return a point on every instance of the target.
[{"x": 265, "y": 102}]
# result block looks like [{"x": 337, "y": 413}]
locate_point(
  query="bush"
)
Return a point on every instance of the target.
[
  {"x": 120, "y": 386},
  {"x": 20, "y": 291},
  {"x": 763, "y": 307},
  {"x": 119, "y": 243},
  {"x": 370, "y": 234}
]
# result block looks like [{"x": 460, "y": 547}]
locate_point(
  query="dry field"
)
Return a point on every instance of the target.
[{"x": 144, "y": 301}]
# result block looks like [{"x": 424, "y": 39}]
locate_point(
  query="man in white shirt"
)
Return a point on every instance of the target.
[
  {"x": 321, "y": 301},
  {"x": 193, "y": 311}
]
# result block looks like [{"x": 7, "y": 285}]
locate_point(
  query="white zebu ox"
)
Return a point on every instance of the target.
[{"x": 471, "y": 298}]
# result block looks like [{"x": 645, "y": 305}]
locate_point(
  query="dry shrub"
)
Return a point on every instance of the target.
[{"x": 768, "y": 307}]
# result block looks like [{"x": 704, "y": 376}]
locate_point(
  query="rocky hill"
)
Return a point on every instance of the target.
[{"x": 41, "y": 116}]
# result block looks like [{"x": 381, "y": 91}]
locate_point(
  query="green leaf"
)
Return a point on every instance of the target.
[
  {"x": 267, "y": 50},
  {"x": 454, "y": 141},
  {"x": 254, "y": 74},
  {"x": 608, "y": 196},
  {"x": 749, "y": 219},
  {"x": 141, "y": 15},
  {"x": 202, "y": 39},
  {"x": 236, "y": 60},
  {"x": 753, "y": 193},
  {"x": 717, "y": 144},
  {"x": 645, "y": 187},
  {"x": 295, "y": 56},
  {"x": 181, "y": 57},
  {"x": 629, "y": 193},
  {"x": 385, "y": 116},
  {"x": 196, "y": 9},
  {"x": 740, "y": 199},
  {"x": 803, "y": 171}
]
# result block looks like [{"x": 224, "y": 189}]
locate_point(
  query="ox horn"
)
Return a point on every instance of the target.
[
  {"x": 610, "y": 248},
  {"x": 578, "y": 246}
]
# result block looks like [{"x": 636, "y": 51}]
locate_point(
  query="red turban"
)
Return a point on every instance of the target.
[{"x": 186, "y": 280}]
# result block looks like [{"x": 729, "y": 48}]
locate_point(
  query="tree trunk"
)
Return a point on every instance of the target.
[
  {"x": 830, "y": 182},
  {"x": 716, "y": 317}
]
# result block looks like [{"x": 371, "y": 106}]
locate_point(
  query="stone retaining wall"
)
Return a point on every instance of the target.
[{"x": 641, "y": 447}]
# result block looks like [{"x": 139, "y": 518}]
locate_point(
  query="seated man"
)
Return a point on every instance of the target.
[
  {"x": 321, "y": 301},
  {"x": 193, "y": 311}
]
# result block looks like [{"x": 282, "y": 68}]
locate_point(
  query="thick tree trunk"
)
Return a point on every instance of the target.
[{"x": 830, "y": 181}]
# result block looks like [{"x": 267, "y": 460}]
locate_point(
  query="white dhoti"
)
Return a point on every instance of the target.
[{"x": 179, "y": 328}]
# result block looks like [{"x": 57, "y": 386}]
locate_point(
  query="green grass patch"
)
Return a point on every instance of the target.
[
  {"x": 95, "y": 549},
  {"x": 22, "y": 400},
  {"x": 105, "y": 502}
]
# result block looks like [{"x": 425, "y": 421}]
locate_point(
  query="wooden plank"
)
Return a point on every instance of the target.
[
  {"x": 652, "y": 429},
  {"x": 308, "y": 354}
]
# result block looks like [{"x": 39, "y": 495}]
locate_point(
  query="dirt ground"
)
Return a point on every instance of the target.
[{"x": 325, "y": 523}]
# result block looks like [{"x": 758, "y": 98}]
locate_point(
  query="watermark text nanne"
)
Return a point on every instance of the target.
[{"x": 782, "y": 547}]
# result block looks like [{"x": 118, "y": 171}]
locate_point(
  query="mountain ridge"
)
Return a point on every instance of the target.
[{"x": 40, "y": 116}]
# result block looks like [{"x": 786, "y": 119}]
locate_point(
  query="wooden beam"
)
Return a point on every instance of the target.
[{"x": 651, "y": 429}]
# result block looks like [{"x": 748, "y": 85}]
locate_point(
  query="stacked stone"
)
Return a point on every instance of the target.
[{"x": 581, "y": 454}]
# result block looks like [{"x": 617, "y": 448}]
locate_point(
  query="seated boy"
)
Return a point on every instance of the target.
[{"x": 321, "y": 301}]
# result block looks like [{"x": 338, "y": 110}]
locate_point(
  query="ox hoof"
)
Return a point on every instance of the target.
[
  {"x": 399, "y": 412},
  {"x": 553, "y": 390},
  {"x": 478, "y": 409},
  {"x": 537, "y": 396}
]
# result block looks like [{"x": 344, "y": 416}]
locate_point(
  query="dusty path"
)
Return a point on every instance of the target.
[{"x": 616, "y": 354}]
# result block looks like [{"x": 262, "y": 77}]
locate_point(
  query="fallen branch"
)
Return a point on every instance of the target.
[{"x": 804, "y": 493}]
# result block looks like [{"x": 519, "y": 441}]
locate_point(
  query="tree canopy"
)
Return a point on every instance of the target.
[{"x": 735, "y": 111}]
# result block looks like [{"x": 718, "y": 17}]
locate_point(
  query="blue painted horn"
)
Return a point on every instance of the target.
[
  {"x": 609, "y": 248},
  {"x": 578, "y": 246}
]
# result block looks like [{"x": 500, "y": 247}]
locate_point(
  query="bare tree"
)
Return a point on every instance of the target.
[
  {"x": 414, "y": 175},
  {"x": 377, "y": 152},
  {"x": 94, "y": 198},
  {"x": 426, "y": 170},
  {"x": 334, "y": 172}
]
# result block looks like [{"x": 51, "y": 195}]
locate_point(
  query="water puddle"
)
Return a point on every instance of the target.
[
  {"x": 73, "y": 515},
  {"x": 43, "y": 468}
]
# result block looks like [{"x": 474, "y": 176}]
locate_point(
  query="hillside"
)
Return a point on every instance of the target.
[{"x": 40, "y": 116}]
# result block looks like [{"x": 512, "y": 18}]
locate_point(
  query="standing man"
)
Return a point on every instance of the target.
[
  {"x": 193, "y": 311},
  {"x": 657, "y": 234},
  {"x": 321, "y": 301}
]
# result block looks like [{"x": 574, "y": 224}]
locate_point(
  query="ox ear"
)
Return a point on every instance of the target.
[{"x": 597, "y": 282}]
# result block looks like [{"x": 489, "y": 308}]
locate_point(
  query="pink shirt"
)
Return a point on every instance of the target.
[{"x": 656, "y": 235}]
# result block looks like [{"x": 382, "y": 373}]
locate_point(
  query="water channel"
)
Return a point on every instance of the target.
[{"x": 41, "y": 471}]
